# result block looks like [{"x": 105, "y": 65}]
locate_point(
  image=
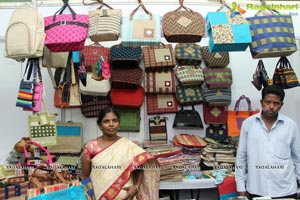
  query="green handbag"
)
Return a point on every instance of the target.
[
  {"x": 189, "y": 94},
  {"x": 129, "y": 120}
]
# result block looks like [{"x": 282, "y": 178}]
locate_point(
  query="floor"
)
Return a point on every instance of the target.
[{"x": 204, "y": 194}]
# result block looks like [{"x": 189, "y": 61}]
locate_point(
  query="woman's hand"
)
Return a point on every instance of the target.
[{"x": 131, "y": 192}]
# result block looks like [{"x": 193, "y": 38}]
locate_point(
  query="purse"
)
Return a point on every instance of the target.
[
  {"x": 159, "y": 57},
  {"x": 158, "y": 128},
  {"x": 127, "y": 98},
  {"x": 187, "y": 119},
  {"x": 236, "y": 117},
  {"x": 217, "y": 97},
  {"x": 69, "y": 37},
  {"x": 104, "y": 24},
  {"x": 260, "y": 76},
  {"x": 214, "y": 114},
  {"x": 160, "y": 82},
  {"x": 126, "y": 78},
  {"x": 284, "y": 75},
  {"x": 214, "y": 59},
  {"x": 216, "y": 132},
  {"x": 125, "y": 57},
  {"x": 183, "y": 25},
  {"x": 142, "y": 29},
  {"x": 75, "y": 97},
  {"x": 189, "y": 94},
  {"x": 161, "y": 103},
  {"x": 130, "y": 119},
  {"x": 91, "y": 105},
  {"x": 218, "y": 77},
  {"x": 54, "y": 59},
  {"x": 188, "y": 54},
  {"x": 94, "y": 87},
  {"x": 189, "y": 74}
]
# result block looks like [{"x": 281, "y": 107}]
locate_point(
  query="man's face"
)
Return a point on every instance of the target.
[{"x": 271, "y": 105}]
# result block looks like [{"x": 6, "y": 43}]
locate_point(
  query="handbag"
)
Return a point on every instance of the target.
[
  {"x": 125, "y": 57},
  {"x": 189, "y": 74},
  {"x": 159, "y": 57},
  {"x": 126, "y": 78},
  {"x": 42, "y": 127},
  {"x": 161, "y": 103},
  {"x": 183, "y": 25},
  {"x": 142, "y": 29},
  {"x": 66, "y": 32},
  {"x": 260, "y": 76},
  {"x": 127, "y": 98},
  {"x": 88, "y": 188},
  {"x": 91, "y": 105},
  {"x": 282, "y": 42},
  {"x": 75, "y": 97},
  {"x": 236, "y": 116},
  {"x": 130, "y": 119},
  {"x": 188, "y": 54},
  {"x": 54, "y": 59},
  {"x": 218, "y": 77},
  {"x": 158, "y": 128},
  {"x": 284, "y": 75},
  {"x": 187, "y": 119},
  {"x": 227, "y": 32},
  {"x": 217, "y": 97},
  {"x": 189, "y": 140},
  {"x": 214, "y": 59},
  {"x": 94, "y": 87},
  {"x": 214, "y": 114},
  {"x": 216, "y": 132},
  {"x": 189, "y": 94},
  {"x": 160, "y": 82},
  {"x": 69, "y": 138},
  {"x": 104, "y": 24}
]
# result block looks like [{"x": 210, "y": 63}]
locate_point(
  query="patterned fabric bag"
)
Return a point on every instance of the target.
[
  {"x": 125, "y": 57},
  {"x": 216, "y": 132},
  {"x": 160, "y": 82},
  {"x": 188, "y": 53},
  {"x": 159, "y": 57},
  {"x": 183, "y": 25},
  {"x": 227, "y": 32},
  {"x": 218, "y": 77},
  {"x": 189, "y": 75},
  {"x": 260, "y": 76},
  {"x": 158, "y": 128},
  {"x": 126, "y": 78},
  {"x": 161, "y": 103},
  {"x": 189, "y": 140},
  {"x": 91, "y": 105},
  {"x": 214, "y": 59},
  {"x": 282, "y": 42},
  {"x": 189, "y": 95},
  {"x": 217, "y": 97},
  {"x": 141, "y": 30},
  {"x": 130, "y": 119},
  {"x": 214, "y": 114}
]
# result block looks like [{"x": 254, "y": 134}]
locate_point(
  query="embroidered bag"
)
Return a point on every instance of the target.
[
  {"x": 188, "y": 54},
  {"x": 218, "y": 77},
  {"x": 161, "y": 103},
  {"x": 158, "y": 128},
  {"x": 214, "y": 59},
  {"x": 189, "y": 94},
  {"x": 214, "y": 114},
  {"x": 189, "y": 74},
  {"x": 160, "y": 82}
]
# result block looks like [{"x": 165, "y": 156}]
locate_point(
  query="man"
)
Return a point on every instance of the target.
[{"x": 268, "y": 156}]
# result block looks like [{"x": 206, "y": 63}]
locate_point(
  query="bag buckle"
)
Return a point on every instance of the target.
[{"x": 63, "y": 22}]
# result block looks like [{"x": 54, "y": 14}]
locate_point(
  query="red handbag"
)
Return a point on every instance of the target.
[
  {"x": 214, "y": 114},
  {"x": 127, "y": 98},
  {"x": 161, "y": 103}
]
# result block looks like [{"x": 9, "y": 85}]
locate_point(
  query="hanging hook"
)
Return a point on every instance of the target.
[
  {"x": 224, "y": 4},
  {"x": 65, "y": 1}
]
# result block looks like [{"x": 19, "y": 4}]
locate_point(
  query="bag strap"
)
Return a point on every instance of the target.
[
  {"x": 224, "y": 5},
  {"x": 141, "y": 5},
  {"x": 237, "y": 103},
  {"x": 182, "y": 6},
  {"x": 49, "y": 158},
  {"x": 61, "y": 10}
]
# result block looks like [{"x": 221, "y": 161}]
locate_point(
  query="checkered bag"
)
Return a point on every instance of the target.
[
  {"x": 160, "y": 82},
  {"x": 189, "y": 74},
  {"x": 188, "y": 53},
  {"x": 219, "y": 97},
  {"x": 91, "y": 105},
  {"x": 126, "y": 78},
  {"x": 161, "y": 103},
  {"x": 159, "y": 57},
  {"x": 129, "y": 57},
  {"x": 189, "y": 95},
  {"x": 218, "y": 77},
  {"x": 214, "y": 59},
  {"x": 272, "y": 36}
]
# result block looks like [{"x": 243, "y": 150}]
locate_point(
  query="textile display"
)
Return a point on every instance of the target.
[
  {"x": 272, "y": 36},
  {"x": 158, "y": 128},
  {"x": 187, "y": 119},
  {"x": 188, "y": 140},
  {"x": 161, "y": 103},
  {"x": 160, "y": 82},
  {"x": 129, "y": 119},
  {"x": 188, "y": 53},
  {"x": 227, "y": 32},
  {"x": 236, "y": 116}
]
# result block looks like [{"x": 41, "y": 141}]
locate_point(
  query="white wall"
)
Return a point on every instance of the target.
[{"x": 13, "y": 121}]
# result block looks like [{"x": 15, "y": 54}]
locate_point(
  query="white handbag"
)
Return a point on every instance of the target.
[{"x": 94, "y": 87}]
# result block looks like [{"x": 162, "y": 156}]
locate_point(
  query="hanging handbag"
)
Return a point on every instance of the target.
[
  {"x": 188, "y": 54},
  {"x": 218, "y": 77},
  {"x": 284, "y": 75},
  {"x": 189, "y": 94},
  {"x": 159, "y": 57},
  {"x": 66, "y": 32},
  {"x": 142, "y": 29},
  {"x": 127, "y": 98},
  {"x": 161, "y": 103},
  {"x": 91, "y": 105},
  {"x": 282, "y": 42},
  {"x": 94, "y": 87},
  {"x": 214, "y": 114},
  {"x": 260, "y": 76},
  {"x": 183, "y": 25},
  {"x": 104, "y": 24},
  {"x": 54, "y": 59},
  {"x": 125, "y": 57},
  {"x": 75, "y": 97},
  {"x": 217, "y": 97},
  {"x": 189, "y": 74},
  {"x": 186, "y": 119},
  {"x": 126, "y": 78},
  {"x": 216, "y": 132},
  {"x": 214, "y": 59},
  {"x": 130, "y": 119},
  {"x": 158, "y": 128},
  {"x": 236, "y": 117},
  {"x": 160, "y": 82}
]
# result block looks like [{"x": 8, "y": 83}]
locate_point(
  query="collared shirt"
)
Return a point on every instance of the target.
[{"x": 268, "y": 162}]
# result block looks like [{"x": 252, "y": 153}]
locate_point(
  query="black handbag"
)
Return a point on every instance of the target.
[
  {"x": 186, "y": 119},
  {"x": 216, "y": 132}
]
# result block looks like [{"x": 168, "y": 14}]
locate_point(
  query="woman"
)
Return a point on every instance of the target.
[{"x": 111, "y": 161}]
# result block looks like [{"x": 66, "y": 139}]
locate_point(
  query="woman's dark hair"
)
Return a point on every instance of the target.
[
  {"x": 103, "y": 112},
  {"x": 273, "y": 89}
]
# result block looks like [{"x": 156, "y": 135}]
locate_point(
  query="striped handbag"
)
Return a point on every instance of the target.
[
  {"x": 217, "y": 97},
  {"x": 218, "y": 77},
  {"x": 189, "y": 74},
  {"x": 188, "y": 54},
  {"x": 160, "y": 82}
]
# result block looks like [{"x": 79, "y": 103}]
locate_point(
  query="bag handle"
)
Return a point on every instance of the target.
[
  {"x": 49, "y": 158},
  {"x": 61, "y": 10},
  {"x": 223, "y": 5},
  {"x": 237, "y": 103},
  {"x": 141, "y": 5},
  {"x": 182, "y": 6}
]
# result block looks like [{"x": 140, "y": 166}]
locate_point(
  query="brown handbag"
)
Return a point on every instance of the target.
[
  {"x": 160, "y": 82},
  {"x": 126, "y": 78},
  {"x": 159, "y": 58},
  {"x": 214, "y": 59},
  {"x": 183, "y": 25}
]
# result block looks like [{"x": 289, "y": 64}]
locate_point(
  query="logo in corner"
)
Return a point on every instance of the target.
[{"x": 236, "y": 8}]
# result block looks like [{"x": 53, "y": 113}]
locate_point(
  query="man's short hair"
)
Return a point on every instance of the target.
[{"x": 273, "y": 89}]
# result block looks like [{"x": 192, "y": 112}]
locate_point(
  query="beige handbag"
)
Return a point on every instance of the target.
[
  {"x": 54, "y": 59},
  {"x": 75, "y": 97},
  {"x": 94, "y": 87},
  {"x": 189, "y": 75}
]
